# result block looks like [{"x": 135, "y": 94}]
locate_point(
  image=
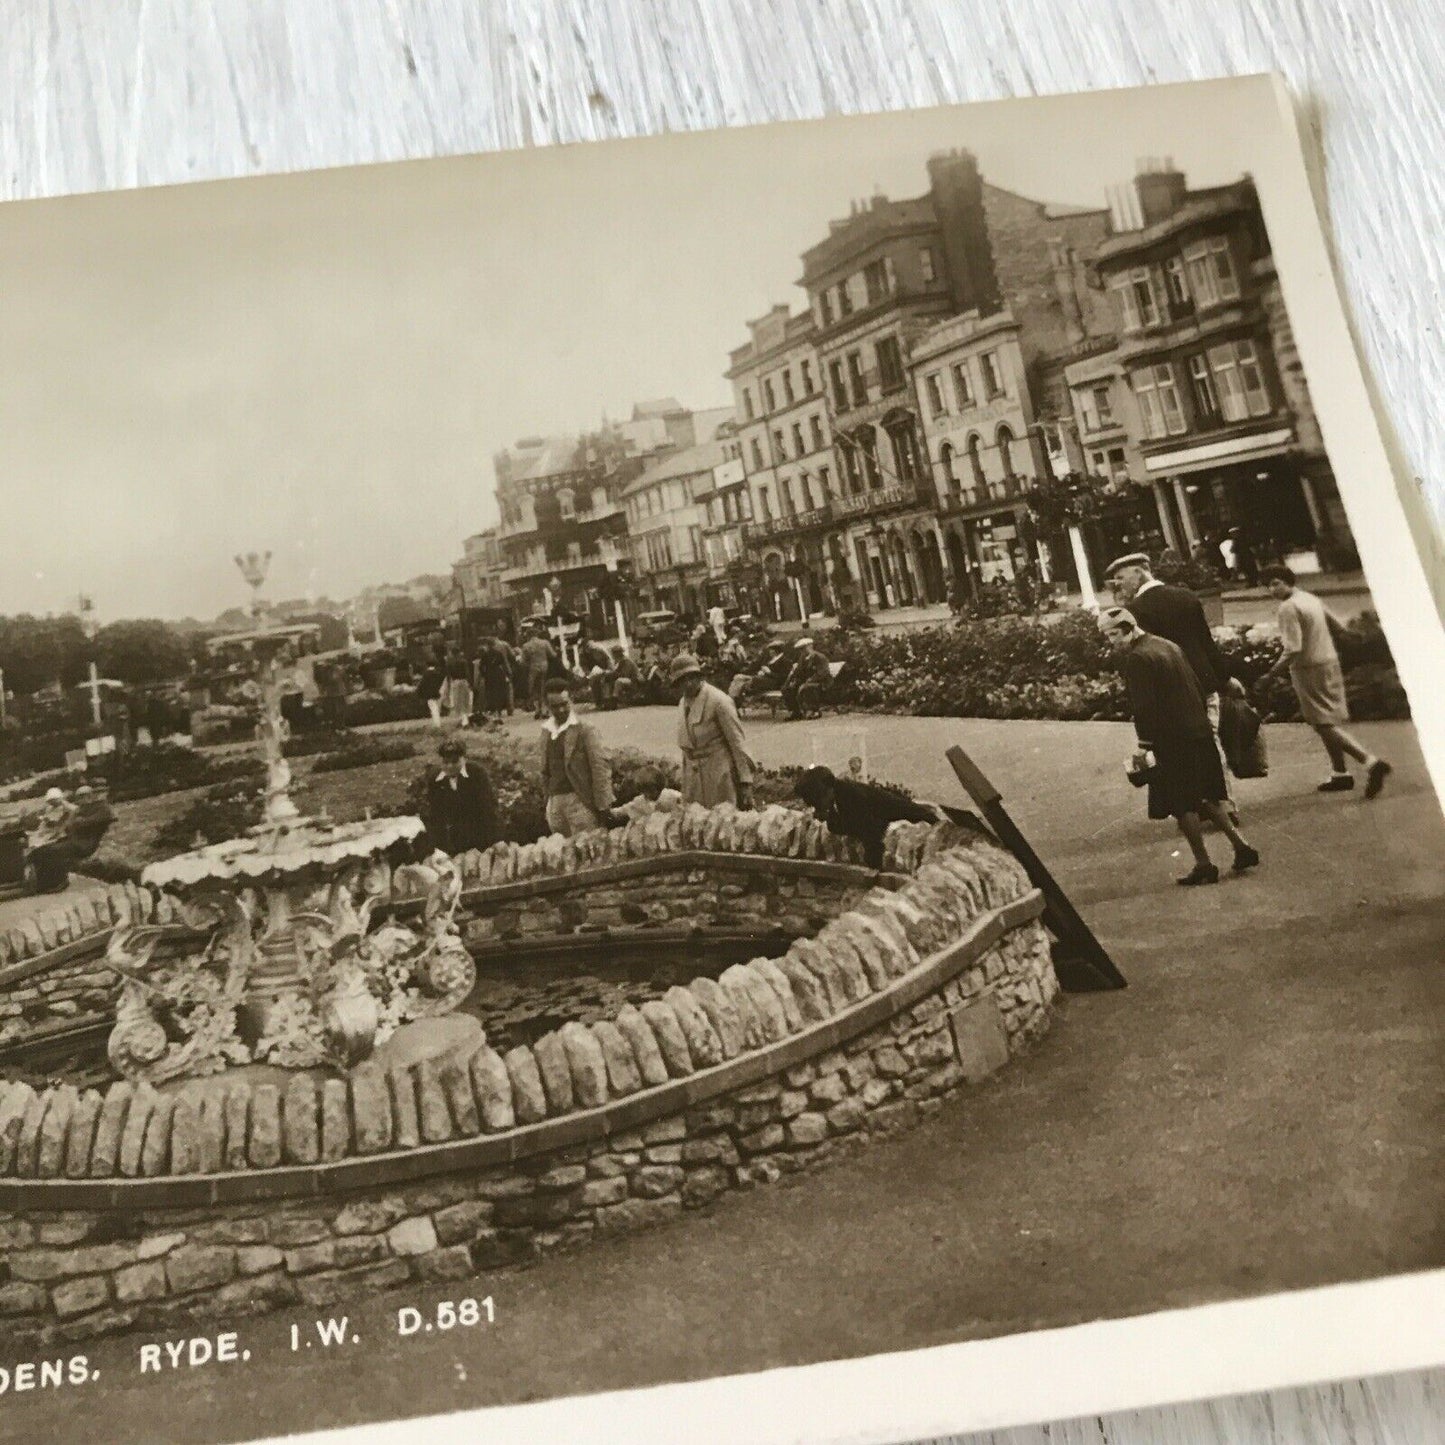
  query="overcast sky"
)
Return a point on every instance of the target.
[{"x": 323, "y": 365}]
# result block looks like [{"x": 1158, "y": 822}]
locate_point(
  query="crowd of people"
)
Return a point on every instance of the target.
[
  {"x": 575, "y": 773},
  {"x": 500, "y": 679}
]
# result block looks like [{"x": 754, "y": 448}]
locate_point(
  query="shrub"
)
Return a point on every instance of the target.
[
  {"x": 223, "y": 811},
  {"x": 362, "y": 752},
  {"x": 368, "y": 708},
  {"x": 1061, "y": 668}
]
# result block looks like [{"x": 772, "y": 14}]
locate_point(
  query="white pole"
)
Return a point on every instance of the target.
[
  {"x": 2, "y": 697},
  {"x": 1081, "y": 561},
  {"x": 94, "y": 695},
  {"x": 802, "y": 606}
]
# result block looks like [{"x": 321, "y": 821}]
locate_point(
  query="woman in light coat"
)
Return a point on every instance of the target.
[{"x": 716, "y": 767}]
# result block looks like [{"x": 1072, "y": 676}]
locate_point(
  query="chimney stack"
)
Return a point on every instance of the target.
[
  {"x": 1161, "y": 189},
  {"x": 956, "y": 189}
]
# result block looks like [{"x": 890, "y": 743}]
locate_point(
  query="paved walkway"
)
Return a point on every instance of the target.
[{"x": 1258, "y": 1111}]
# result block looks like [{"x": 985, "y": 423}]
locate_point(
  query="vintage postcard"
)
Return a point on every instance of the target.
[{"x": 810, "y": 750}]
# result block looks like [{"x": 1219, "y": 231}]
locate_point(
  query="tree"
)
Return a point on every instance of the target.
[
  {"x": 142, "y": 650},
  {"x": 38, "y": 651}
]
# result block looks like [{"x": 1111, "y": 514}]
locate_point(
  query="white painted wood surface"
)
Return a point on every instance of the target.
[{"x": 120, "y": 93}]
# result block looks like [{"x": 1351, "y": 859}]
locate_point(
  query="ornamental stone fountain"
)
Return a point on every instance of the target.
[{"x": 292, "y": 971}]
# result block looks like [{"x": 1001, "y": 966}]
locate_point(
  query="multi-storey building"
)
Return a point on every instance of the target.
[
  {"x": 983, "y": 447},
  {"x": 785, "y": 445},
  {"x": 1226, "y": 431},
  {"x": 665, "y": 519},
  {"x": 885, "y": 276},
  {"x": 727, "y": 508},
  {"x": 879, "y": 279},
  {"x": 477, "y": 574}
]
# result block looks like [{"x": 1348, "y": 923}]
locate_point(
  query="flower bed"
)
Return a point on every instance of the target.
[{"x": 1060, "y": 668}]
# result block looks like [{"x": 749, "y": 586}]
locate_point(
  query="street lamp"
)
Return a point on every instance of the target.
[
  {"x": 607, "y": 548},
  {"x": 254, "y": 567}
]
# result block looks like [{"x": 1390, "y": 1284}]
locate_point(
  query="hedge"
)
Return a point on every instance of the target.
[{"x": 1061, "y": 668}]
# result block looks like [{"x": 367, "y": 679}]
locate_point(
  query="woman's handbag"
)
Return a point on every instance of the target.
[{"x": 1241, "y": 735}]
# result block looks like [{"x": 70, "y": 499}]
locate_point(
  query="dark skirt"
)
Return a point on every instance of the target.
[{"x": 1187, "y": 772}]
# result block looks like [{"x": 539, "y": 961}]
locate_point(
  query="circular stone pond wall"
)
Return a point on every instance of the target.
[{"x": 880, "y": 993}]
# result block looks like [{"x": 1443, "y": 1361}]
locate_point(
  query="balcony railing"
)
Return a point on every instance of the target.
[{"x": 542, "y": 567}]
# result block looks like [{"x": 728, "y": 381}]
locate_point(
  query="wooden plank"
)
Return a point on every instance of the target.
[{"x": 1081, "y": 961}]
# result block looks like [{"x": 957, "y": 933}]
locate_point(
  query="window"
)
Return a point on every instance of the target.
[
  {"x": 769, "y": 400},
  {"x": 875, "y": 281},
  {"x": 975, "y": 464},
  {"x": 855, "y": 377},
  {"x": 758, "y": 462},
  {"x": 1176, "y": 285},
  {"x": 565, "y": 505},
  {"x": 1159, "y": 401},
  {"x": 992, "y": 381},
  {"x": 1097, "y": 406},
  {"x": 825, "y": 485},
  {"x": 747, "y": 403},
  {"x": 694, "y": 539},
  {"x": 848, "y": 451},
  {"x": 1211, "y": 271},
  {"x": 805, "y": 372},
  {"x": 780, "y": 450},
  {"x": 1201, "y": 385},
  {"x": 933, "y": 385},
  {"x": 815, "y": 424},
  {"x": 788, "y": 386},
  {"x": 1143, "y": 286},
  {"x": 785, "y": 496},
  {"x": 765, "y": 504},
  {"x": 745, "y": 507},
  {"x": 825, "y": 309},
  {"x": 925, "y": 264},
  {"x": 845, "y": 299},
  {"x": 890, "y": 363},
  {"x": 1005, "y": 439},
  {"x": 962, "y": 386},
  {"x": 1240, "y": 381},
  {"x": 799, "y": 445},
  {"x": 1128, "y": 311},
  {"x": 840, "y": 387},
  {"x": 945, "y": 460}
]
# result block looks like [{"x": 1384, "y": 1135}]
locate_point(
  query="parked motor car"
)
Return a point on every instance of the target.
[{"x": 660, "y": 626}]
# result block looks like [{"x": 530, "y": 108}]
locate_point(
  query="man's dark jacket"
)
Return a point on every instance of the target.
[
  {"x": 462, "y": 817},
  {"x": 1178, "y": 616}
]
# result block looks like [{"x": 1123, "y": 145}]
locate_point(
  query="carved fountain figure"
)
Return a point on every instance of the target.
[{"x": 294, "y": 970}]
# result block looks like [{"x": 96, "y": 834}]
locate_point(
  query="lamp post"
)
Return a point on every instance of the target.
[
  {"x": 608, "y": 550},
  {"x": 90, "y": 627},
  {"x": 254, "y": 567}
]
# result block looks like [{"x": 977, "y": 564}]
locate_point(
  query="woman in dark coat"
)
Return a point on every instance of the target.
[{"x": 1177, "y": 752}]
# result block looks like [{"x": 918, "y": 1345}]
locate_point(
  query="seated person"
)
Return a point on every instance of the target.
[
  {"x": 627, "y": 683},
  {"x": 48, "y": 844},
  {"x": 861, "y": 811},
  {"x": 808, "y": 680}
]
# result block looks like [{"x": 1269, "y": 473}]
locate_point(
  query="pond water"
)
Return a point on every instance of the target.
[{"x": 524, "y": 992}]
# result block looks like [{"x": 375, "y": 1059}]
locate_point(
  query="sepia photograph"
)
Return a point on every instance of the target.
[{"x": 642, "y": 762}]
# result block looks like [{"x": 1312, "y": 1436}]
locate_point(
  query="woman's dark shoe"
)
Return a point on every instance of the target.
[
  {"x": 1375, "y": 778},
  {"x": 1337, "y": 783},
  {"x": 1200, "y": 873},
  {"x": 1245, "y": 857}
]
